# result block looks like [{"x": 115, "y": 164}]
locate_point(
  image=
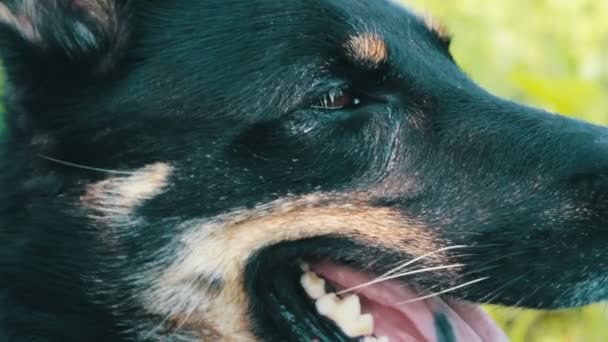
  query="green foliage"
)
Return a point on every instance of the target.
[
  {"x": 548, "y": 53},
  {"x": 580, "y": 325}
]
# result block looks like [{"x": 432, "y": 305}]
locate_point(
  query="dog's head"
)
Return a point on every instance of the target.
[{"x": 183, "y": 170}]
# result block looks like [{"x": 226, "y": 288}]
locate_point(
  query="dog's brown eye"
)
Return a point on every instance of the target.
[{"x": 337, "y": 100}]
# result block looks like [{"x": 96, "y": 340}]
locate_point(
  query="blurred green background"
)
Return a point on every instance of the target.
[{"x": 548, "y": 53}]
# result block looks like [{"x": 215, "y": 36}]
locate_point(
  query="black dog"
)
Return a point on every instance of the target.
[{"x": 192, "y": 169}]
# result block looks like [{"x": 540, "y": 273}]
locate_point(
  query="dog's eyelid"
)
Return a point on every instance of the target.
[{"x": 337, "y": 99}]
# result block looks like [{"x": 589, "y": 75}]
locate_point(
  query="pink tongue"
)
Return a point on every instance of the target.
[{"x": 415, "y": 321}]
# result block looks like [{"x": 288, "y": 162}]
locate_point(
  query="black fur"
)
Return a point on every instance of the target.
[{"x": 226, "y": 91}]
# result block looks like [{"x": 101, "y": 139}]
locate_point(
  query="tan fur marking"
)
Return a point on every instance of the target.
[
  {"x": 440, "y": 30},
  {"x": 102, "y": 10},
  {"x": 368, "y": 48},
  {"x": 222, "y": 246},
  {"x": 204, "y": 331},
  {"x": 117, "y": 197}
]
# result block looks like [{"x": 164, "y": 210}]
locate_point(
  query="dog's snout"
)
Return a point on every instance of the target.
[
  {"x": 602, "y": 148},
  {"x": 602, "y": 141},
  {"x": 589, "y": 166}
]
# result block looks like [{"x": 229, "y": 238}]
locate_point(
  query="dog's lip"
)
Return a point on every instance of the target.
[{"x": 413, "y": 321}]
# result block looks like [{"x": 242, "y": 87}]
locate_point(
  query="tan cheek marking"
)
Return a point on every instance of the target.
[
  {"x": 117, "y": 197},
  {"x": 204, "y": 330},
  {"x": 368, "y": 48},
  {"x": 221, "y": 247}
]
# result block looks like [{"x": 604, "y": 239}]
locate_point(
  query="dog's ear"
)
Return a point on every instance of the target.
[{"x": 89, "y": 35}]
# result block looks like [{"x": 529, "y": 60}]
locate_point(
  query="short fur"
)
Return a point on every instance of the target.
[{"x": 166, "y": 162}]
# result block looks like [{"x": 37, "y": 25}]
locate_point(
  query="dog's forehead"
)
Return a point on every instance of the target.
[
  {"x": 263, "y": 59},
  {"x": 302, "y": 23},
  {"x": 281, "y": 39}
]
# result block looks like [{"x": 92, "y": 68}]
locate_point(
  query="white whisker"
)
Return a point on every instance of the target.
[
  {"x": 84, "y": 167},
  {"x": 445, "y": 291},
  {"x": 399, "y": 275},
  {"x": 384, "y": 276},
  {"x": 402, "y": 266}
]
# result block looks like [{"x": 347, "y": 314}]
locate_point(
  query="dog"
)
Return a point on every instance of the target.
[{"x": 230, "y": 170}]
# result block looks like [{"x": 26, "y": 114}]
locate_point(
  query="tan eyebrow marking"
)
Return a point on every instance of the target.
[
  {"x": 367, "y": 48},
  {"x": 436, "y": 27}
]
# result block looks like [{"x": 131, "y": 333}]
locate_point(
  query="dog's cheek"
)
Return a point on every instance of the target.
[{"x": 204, "y": 286}]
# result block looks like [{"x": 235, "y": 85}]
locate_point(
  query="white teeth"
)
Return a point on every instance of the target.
[
  {"x": 346, "y": 313},
  {"x": 313, "y": 285},
  {"x": 351, "y": 304},
  {"x": 304, "y": 267},
  {"x": 375, "y": 339}
]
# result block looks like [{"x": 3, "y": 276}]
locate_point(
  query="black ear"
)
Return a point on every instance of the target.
[{"x": 89, "y": 35}]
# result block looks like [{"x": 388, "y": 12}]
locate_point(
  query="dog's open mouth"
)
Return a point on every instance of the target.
[
  {"x": 330, "y": 301},
  {"x": 390, "y": 311}
]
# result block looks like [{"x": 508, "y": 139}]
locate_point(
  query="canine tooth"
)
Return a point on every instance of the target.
[
  {"x": 383, "y": 339},
  {"x": 346, "y": 313},
  {"x": 313, "y": 285}
]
